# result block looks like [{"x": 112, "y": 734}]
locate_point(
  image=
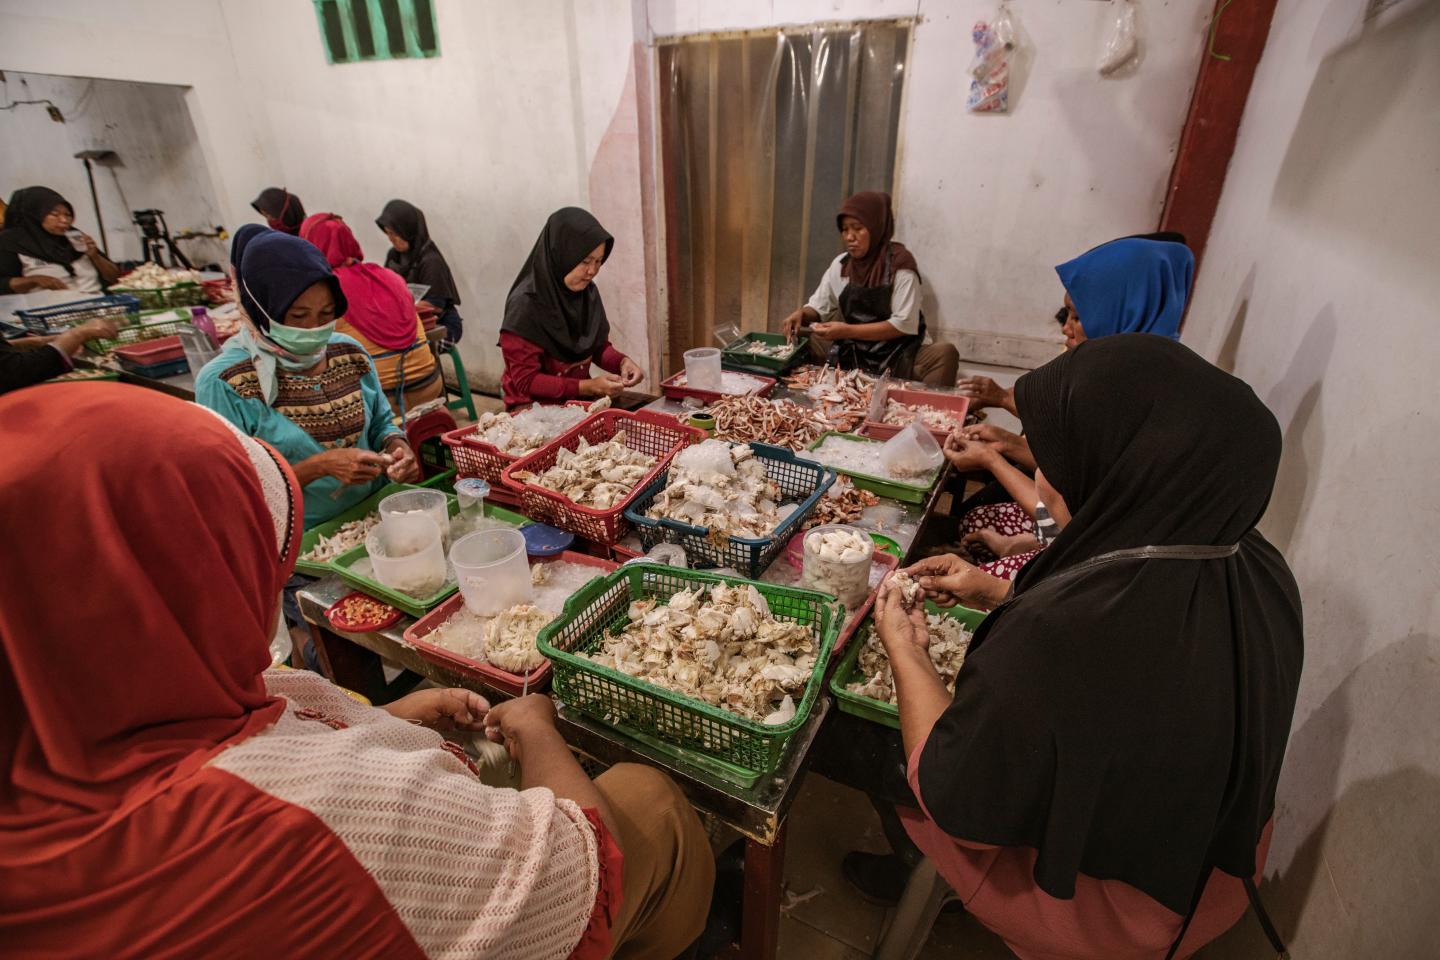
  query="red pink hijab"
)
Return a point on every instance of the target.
[{"x": 380, "y": 304}]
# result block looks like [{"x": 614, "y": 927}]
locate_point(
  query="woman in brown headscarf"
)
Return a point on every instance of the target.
[{"x": 874, "y": 287}]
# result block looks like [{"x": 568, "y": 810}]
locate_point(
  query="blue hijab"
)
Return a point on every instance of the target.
[
  {"x": 1130, "y": 286},
  {"x": 273, "y": 269},
  {"x": 242, "y": 239}
]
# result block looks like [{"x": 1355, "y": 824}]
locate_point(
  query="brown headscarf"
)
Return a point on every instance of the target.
[{"x": 872, "y": 208}]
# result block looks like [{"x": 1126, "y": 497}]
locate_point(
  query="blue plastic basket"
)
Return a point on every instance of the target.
[
  {"x": 60, "y": 317},
  {"x": 798, "y": 479}
]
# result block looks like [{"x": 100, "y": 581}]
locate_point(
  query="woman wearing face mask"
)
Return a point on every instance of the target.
[
  {"x": 36, "y": 254},
  {"x": 287, "y": 378},
  {"x": 281, "y": 209},
  {"x": 866, "y": 311},
  {"x": 555, "y": 325}
]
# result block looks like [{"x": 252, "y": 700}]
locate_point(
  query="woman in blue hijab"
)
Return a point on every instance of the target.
[{"x": 289, "y": 379}]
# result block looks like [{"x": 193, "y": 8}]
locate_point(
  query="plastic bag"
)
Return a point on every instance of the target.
[
  {"x": 990, "y": 70},
  {"x": 1122, "y": 46}
]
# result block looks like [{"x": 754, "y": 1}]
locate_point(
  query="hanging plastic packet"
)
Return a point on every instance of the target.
[
  {"x": 1122, "y": 46},
  {"x": 990, "y": 70}
]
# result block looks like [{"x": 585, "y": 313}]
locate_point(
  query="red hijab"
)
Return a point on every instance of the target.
[
  {"x": 136, "y": 626},
  {"x": 872, "y": 209},
  {"x": 380, "y": 304}
]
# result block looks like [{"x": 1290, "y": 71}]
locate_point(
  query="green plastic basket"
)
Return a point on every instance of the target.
[
  {"x": 894, "y": 489},
  {"x": 734, "y": 355},
  {"x": 415, "y": 606},
  {"x": 728, "y": 746},
  {"x": 187, "y": 294},
  {"x": 847, "y": 672},
  {"x": 150, "y": 325}
]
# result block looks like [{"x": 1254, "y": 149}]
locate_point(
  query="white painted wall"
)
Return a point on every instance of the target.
[
  {"x": 147, "y": 125},
  {"x": 1320, "y": 287},
  {"x": 990, "y": 203}
]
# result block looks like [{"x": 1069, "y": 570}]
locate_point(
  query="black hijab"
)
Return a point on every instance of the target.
[
  {"x": 423, "y": 263},
  {"x": 1127, "y": 717},
  {"x": 23, "y": 234},
  {"x": 540, "y": 308},
  {"x": 281, "y": 209}
]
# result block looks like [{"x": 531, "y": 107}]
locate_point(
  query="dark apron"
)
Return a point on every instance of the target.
[{"x": 872, "y": 305}]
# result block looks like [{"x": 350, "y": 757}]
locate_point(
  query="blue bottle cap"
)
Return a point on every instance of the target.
[{"x": 545, "y": 541}]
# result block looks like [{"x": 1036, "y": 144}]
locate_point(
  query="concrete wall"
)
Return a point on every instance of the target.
[
  {"x": 1320, "y": 288},
  {"x": 147, "y": 125}
]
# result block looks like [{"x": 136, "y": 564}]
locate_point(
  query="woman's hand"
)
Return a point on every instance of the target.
[
  {"x": 605, "y": 385},
  {"x": 452, "y": 708},
  {"x": 30, "y": 284},
  {"x": 351, "y": 465},
  {"x": 896, "y": 625},
  {"x": 949, "y": 580},
  {"x": 985, "y": 392},
  {"x": 790, "y": 326},
  {"x": 91, "y": 250},
  {"x": 830, "y": 330},
  {"x": 968, "y": 456},
  {"x": 630, "y": 372},
  {"x": 523, "y": 719},
  {"x": 404, "y": 468}
]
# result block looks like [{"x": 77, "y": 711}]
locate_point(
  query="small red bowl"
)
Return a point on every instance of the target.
[{"x": 336, "y": 615}]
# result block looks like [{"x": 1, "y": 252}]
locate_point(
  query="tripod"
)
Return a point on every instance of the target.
[{"x": 155, "y": 237}]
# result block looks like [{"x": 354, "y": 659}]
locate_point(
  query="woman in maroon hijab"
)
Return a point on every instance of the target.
[{"x": 866, "y": 311}]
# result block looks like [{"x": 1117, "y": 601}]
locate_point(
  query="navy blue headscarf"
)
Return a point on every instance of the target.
[
  {"x": 242, "y": 239},
  {"x": 274, "y": 268},
  {"x": 1130, "y": 286}
]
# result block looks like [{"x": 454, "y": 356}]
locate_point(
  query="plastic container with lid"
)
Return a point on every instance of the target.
[
  {"x": 702, "y": 368},
  {"x": 492, "y": 571},
  {"x": 432, "y": 504},
  {"x": 837, "y": 561},
  {"x": 406, "y": 555},
  {"x": 470, "y": 493}
]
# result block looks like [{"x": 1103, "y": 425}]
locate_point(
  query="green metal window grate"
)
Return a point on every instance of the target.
[{"x": 355, "y": 30}]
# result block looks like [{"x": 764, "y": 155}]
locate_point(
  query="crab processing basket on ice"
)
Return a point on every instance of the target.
[
  {"x": 730, "y": 746},
  {"x": 800, "y": 481},
  {"x": 475, "y": 457},
  {"x": 658, "y": 436}
]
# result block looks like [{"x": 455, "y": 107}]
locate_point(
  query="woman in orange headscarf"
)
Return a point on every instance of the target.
[
  {"x": 166, "y": 796},
  {"x": 381, "y": 315}
]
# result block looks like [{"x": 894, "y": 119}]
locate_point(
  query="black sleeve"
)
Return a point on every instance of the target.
[
  {"x": 9, "y": 268},
  {"x": 23, "y": 368}
]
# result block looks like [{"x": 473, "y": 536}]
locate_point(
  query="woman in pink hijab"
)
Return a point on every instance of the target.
[{"x": 381, "y": 315}]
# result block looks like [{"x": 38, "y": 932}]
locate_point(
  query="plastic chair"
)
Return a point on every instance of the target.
[
  {"x": 926, "y": 893},
  {"x": 464, "y": 401}
]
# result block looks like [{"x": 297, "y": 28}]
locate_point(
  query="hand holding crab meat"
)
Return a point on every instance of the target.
[{"x": 948, "y": 580}]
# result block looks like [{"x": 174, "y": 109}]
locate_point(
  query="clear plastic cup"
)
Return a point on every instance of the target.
[
  {"x": 492, "y": 570},
  {"x": 702, "y": 368},
  {"x": 429, "y": 503},
  {"x": 837, "y": 561},
  {"x": 911, "y": 452},
  {"x": 406, "y": 555}
]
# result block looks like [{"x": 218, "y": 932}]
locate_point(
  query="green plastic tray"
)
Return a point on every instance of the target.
[
  {"x": 730, "y": 747},
  {"x": 868, "y": 708},
  {"x": 319, "y": 568},
  {"x": 415, "y": 606},
  {"x": 441, "y": 481},
  {"x": 732, "y": 355},
  {"x": 894, "y": 489}
]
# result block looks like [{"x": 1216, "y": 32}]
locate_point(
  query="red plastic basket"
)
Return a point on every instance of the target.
[
  {"x": 660, "y": 436},
  {"x": 675, "y": 391},
  {"x": 476, "y": 458},
  {"x": 940, "y": 401},
  {"x": 502, "y": 680}
]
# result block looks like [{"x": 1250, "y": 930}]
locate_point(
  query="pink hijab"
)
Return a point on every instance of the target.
[{"x": 380, "y": 304}]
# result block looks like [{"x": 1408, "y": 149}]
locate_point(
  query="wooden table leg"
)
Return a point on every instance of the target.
[
  {"x": 764, "y": 876},
  {"x": 348, "y": 664}
]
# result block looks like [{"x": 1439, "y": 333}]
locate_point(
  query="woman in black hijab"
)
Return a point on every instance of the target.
[
  {"x": 36, "y": 254},
  {"x": 1115, "y": 737},
  {"x": 281, "y": 209},
  {"x": 415, "y": 257},
  {"x": 555, "y": 325}
]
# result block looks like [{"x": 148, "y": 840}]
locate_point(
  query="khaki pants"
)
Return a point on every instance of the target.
[
  {"x": 936, "y": 364},
  {"x": 669, "y": 869}
]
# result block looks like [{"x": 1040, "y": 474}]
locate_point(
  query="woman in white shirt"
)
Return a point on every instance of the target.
[
  {"x": 36, "y": 254},
  {"x": 866, "y": 311}
]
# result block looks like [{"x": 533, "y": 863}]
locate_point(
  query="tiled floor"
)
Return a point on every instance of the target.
[{"x": 831, "y": 921}]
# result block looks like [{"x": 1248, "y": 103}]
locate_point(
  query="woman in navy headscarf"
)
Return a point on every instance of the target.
[{"x": 289, "y": 379}]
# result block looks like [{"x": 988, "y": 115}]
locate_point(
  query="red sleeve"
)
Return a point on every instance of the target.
[
  {"x": 524, "y": 379},
  {"x": 609, "y": 359},
  {"x": 595, "y": 941}
]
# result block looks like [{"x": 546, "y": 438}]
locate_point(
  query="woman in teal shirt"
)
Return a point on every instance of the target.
[{"x": 290, "y": 380}]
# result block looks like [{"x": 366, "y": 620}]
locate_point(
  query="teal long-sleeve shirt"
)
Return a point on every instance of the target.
[{"x": 228, "y": 385}]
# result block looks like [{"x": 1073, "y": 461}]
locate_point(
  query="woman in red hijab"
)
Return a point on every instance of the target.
[
  {"x": 381, "y": 316},
  {"x": 866, "y": 311},
  {"x": 165, "y": 795}
]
